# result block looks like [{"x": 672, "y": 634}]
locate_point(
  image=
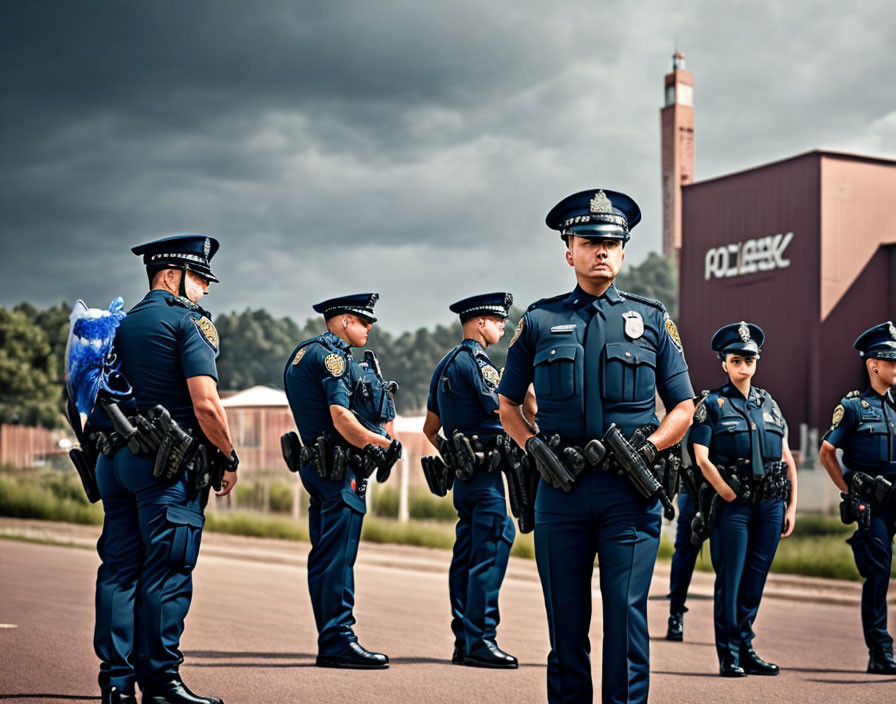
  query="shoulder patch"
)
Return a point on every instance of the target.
[
  {"x": 299, "y": 355},
  {"x": 643, "y": 299},
  {"x": 700, "y": 414},
  {"x": 519, "y": 330},
  {"x": 207, "y": 330},
  {"x": 335, "y": 364},
  {"x": 673, "y": 333},
  {"x": 490, "y": 374},
  {"x": 838, "y": 415}
]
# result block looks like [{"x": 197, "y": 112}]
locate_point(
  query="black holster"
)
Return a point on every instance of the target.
[
  {"x": 522, "y": 482},
  {"x": 85, "y": 464}
]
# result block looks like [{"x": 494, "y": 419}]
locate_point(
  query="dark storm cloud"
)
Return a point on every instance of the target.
[{"x": 406, "y": 147}]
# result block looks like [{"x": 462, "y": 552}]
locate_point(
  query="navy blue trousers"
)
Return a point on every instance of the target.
[
  {"x": 334, "y": 524},
  {"x": 148, "y": 548},
  {"x": 484, "y": 536},
  {"x": 742, "y": 545},
  {"x": 685, "y": 556},
  {"x": 873, "y": 552},
  {"x": 601, "y": 516}
]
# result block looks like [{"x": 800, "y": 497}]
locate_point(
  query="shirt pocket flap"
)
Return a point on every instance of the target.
[
  {"x": 552, "y": 354},
  {"x": 631, "y": 354}
]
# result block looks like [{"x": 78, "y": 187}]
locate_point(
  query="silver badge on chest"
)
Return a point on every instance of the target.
[{"x": 634, "y": 324}]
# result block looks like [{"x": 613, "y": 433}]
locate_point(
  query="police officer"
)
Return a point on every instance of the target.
[
  {"x": 683, "y": 561},
  {"x": 463, "y": 399},
  {"x": 739, "y": 441},
  {"x": 596, "y": 356},
  {"x": 321, "y": 379},
  {"x": 167, "y": 347},
  {"x": 864, "y": 428}
]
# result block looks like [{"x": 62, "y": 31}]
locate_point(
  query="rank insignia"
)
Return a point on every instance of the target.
[
  {"x": 519, "y": 331},
  {"x": 208, "y": 331},
  {"x": 634, "y": 324},
  {"x": 673, "y": 333},
  {"x": 865, "y": 404},
  {"x": 490, "y": 374},
  {"x": 838, "y": 415},
  {"x": 335, "y": 364},
  {"x": 299, "y": 355}
]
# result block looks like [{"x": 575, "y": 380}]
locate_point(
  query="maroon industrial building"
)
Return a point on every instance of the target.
[{"x": 805, "y": 248}]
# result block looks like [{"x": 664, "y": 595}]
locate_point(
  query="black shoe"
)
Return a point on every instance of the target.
[
  {"x": 457, "y": 657},
  {"x": 676, "y": 627},
  {"x": 491, "y": 656},
  {"x": 174, "y": 692},
  {"x": 752, "y": 664},
  {"x": 115, "y": 696},
  {"x": 729, "y": 669},
  {"x": 881, "y": 662},
  {"x": 356, "y": 657}
]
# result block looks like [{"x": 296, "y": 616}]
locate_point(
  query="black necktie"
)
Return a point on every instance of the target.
[
  {"x": 757, "y": 428},
  {"x": 595, "y": 340}
]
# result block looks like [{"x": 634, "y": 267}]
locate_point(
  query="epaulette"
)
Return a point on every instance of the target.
[
  {"x": 855, "y": 393},
  {"x": 188, "y": 304},
  {"x": 643, "y": 299},
  {"x": 542, "y": 301}
]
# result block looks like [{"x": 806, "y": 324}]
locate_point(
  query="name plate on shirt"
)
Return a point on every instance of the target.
[{"x": 561, "y": 329}]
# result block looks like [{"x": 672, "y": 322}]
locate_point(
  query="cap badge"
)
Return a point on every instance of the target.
[
  {"x": 207, "y": 246},
  {"x": 744, "y": 331},
  {"x": 634, "y": 324},
  {"x": 892, "y": 330},
  {"x": 600, "y": 203}
]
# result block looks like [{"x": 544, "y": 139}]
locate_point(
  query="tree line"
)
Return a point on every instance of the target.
[{"x": 255, "y": 347}]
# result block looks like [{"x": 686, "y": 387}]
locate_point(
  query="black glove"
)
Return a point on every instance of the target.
[
  {"x": 391, "y": 455},
  {"x": 548, "y": 465},
  {"x": 438, "y": 476}
]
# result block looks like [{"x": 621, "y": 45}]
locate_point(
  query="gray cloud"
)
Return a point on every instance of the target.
[{"x": 404, "y": 147}]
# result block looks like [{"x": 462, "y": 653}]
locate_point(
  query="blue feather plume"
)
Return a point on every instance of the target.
[{"x": 88, "y": 355}]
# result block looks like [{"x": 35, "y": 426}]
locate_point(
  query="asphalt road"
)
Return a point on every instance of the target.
[{"x": 250, "y": 634}]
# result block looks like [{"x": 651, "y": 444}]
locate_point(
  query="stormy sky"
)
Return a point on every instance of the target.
[{"x": 407, "y": 147}]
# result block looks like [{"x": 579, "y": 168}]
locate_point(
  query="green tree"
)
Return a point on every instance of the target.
[
  {"x": 30, "y": 381},
  {"x": 655, "y": 277}
]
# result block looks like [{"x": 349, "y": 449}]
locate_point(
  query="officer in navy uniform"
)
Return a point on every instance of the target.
[
  {"x": 320, "y": 380},
  {"x": 167, "y": 347},
  {"x": 864, "y": 428},
  {"x": 462, "y": 397},
  {"x": 683, "y": 561},
  {"x": 596, "y": 356},
  {"x": 739, "y": 440}
]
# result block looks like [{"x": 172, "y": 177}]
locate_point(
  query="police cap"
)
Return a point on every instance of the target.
[
  {"x": 878, "y": 342},
  {"x": 601, "y": 214},
  {"x": 740, "y": 338},
  {"x": 193, "y": 252},
  {"x": 360, "y": 304},
  {"x": 496, "y": 304}
]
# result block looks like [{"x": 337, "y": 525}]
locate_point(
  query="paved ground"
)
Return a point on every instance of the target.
[{"x": 250, "y": 634}]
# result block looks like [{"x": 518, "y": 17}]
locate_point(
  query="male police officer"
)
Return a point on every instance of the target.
[
  {"x": 596, "y": 356},
  {"x": 864, "y": 427},
  {"x": 463, "y": 401},
  {"x": 320, "y": 381},
  {"x": 167, "y": 347}
]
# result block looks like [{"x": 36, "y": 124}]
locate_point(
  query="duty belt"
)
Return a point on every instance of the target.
[{"x": 772, "y": 485}]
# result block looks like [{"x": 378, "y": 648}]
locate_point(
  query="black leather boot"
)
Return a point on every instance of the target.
[
  {"x": 355, "y": 657},
  {"x": 881, "y": 662},
  {"x": 457, "y": 657},
  {"x": 115, "y": 696},
  {"x": 174, "y": 692},
  {"x": 755, "y": 665},
  {"x": 491, "y": 656},
  {"x": 675, "y": 631},
  {"x": 727, "y": 668}
]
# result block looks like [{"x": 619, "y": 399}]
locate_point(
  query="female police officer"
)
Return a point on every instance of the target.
[
  {"x": 740, "y": 433},
  {"x": 864, "y": 427}
]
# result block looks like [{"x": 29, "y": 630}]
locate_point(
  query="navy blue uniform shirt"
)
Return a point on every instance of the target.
[
  {"x": 635, "y": 351},
  {"x": 864, "y": 427},
  {"x": 463, "y": 392},
  {"x": 163, "y": 341},
  {"x": 318, "y": 375},
  {"x": 740, "y": 431}
]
